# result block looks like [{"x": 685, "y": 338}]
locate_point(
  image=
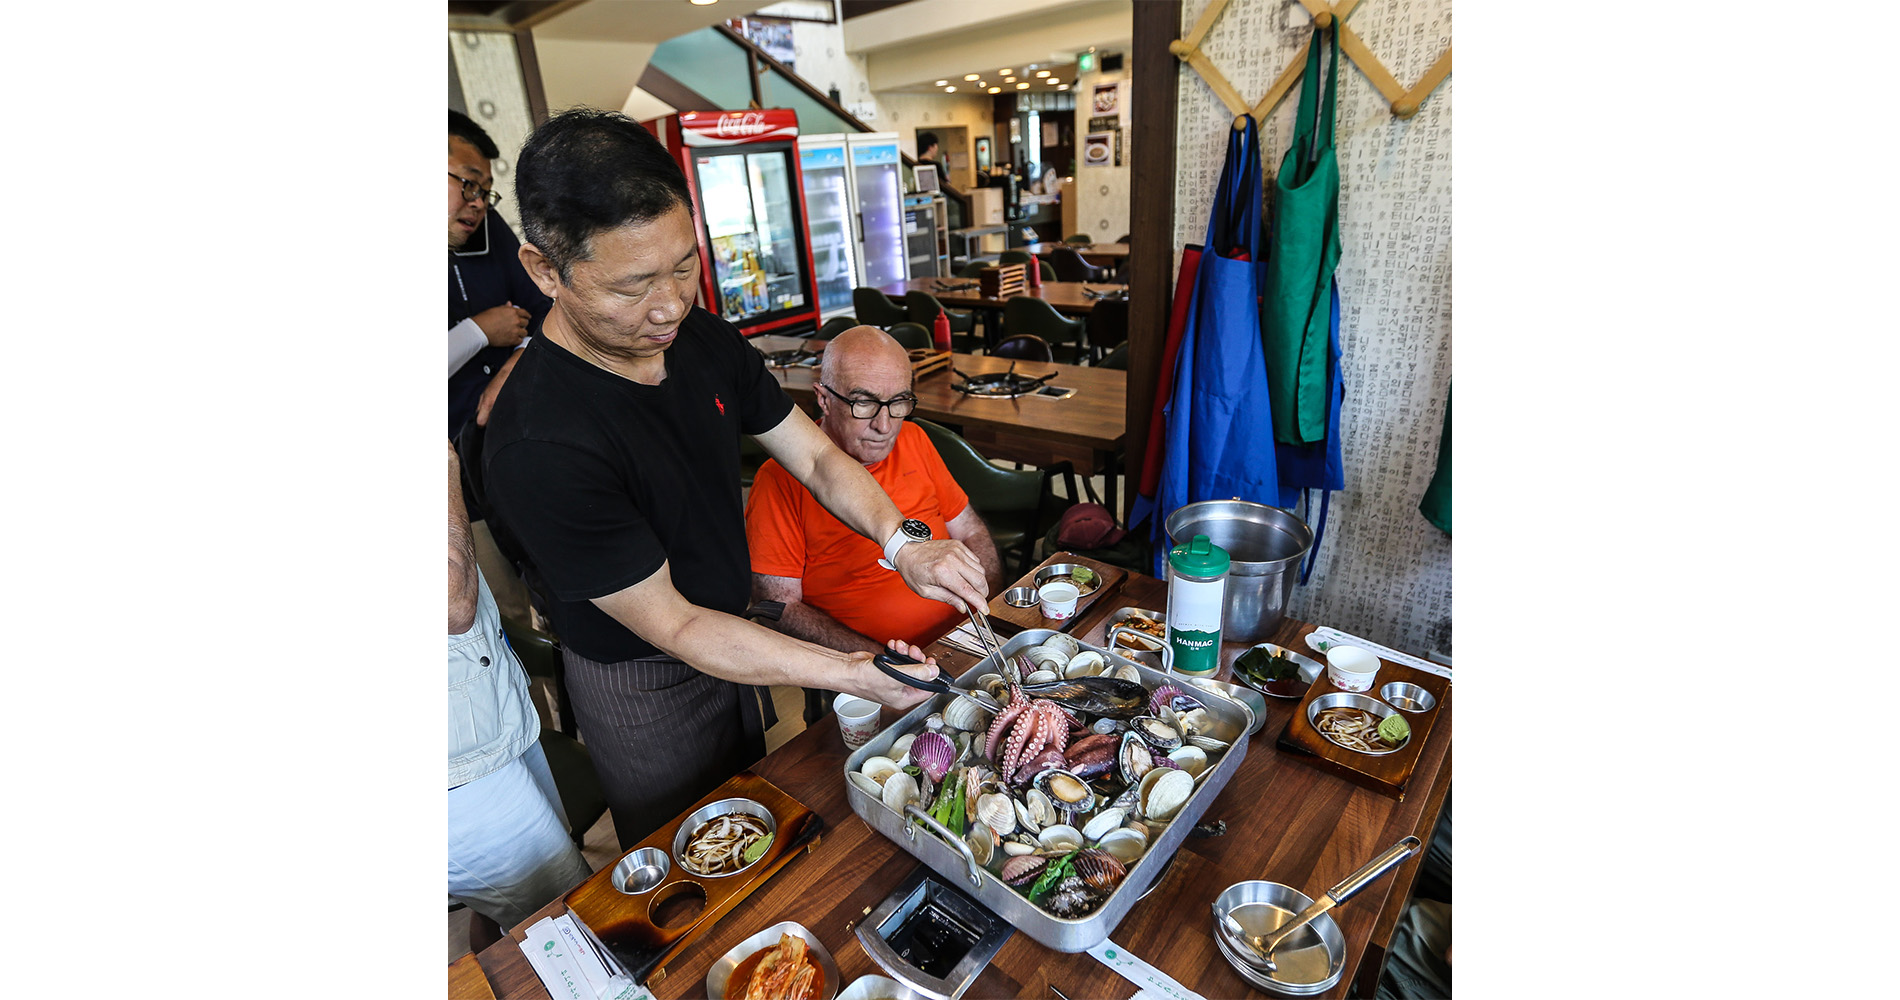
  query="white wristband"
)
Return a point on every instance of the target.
[{"x": 897, "y": 541}]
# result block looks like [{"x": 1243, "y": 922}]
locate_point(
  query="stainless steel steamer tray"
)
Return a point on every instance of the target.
[{"x": 1070, "y": 935}]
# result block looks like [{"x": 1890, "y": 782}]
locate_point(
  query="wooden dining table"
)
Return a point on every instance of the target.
[
  {"x": 1087, "y": 429},
  {"x": 1065, "y": 296},
  {"x": 1286, "y": 822},
  {"x": 1099, "y": 254}
]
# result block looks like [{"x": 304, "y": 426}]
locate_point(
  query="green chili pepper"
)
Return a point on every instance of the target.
[{"x": 1054, "y": 873}]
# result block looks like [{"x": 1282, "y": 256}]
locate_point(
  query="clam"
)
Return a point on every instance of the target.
[
  {"x": 1019, "y": 845},
  {"x": 901, "y": 746},
  {"x": 1126, "y": 844},
  {"x": 1125, "y": 672},
  {"x": 1156, "y": 731},
  {"x": 981, "y": 841},
  {"x": 865, "y": 784},
  {"x": 933, "y": 721},
  {"x": 1087, "y": 663},
  {"x": 1192, "y": 759},
  {"x": 900, "y": 790},
  {"x": 933, "y": 752},
  {"x": 1164, "y": 798},
  {"x": 1066, "y": 790},
  {"x": 997, "y": 811},
  {"x": 879, "y": 769},
  {"x": 1107, "y": 726},
  {"x": 1101, "y": 870},
  {"x": 1059, "y": 839},
  {"x": 966, "y": 716},
  {"x": 1023, "y": 870},
  {"x": 1208, "y": 743},
  {"x": 1103, "y": 823},
  {"x": 1045, "y": 658},
  {"x": 1135, "y": 758},
  {"x": 996, "y": 684},
  {"x": 1036, "y": 810},
  {"x": 1041, "y": 677},
  {"x": 1195, "y": 721},
  {"x": 1063, "y": 642}
]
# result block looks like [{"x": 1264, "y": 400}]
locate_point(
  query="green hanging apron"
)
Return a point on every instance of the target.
[{"x": 1303, "y": 252}]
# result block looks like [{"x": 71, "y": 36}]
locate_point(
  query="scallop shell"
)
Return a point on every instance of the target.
[
  {"x": 1126, "y": 844},
  {"x": 1087, "y": 663},
  {"x": 1167, "y": 795},
  {"x": 879, "y": 769},
  {"x": 997, "y": 811},
  {"x": 933, "y": 752},
  {"x": 1060, "y": 839},
  {"x": 1022, "y": 869},
  {"x": 966, "y": 715},
  {"x": 1064, "y": 642},
  {"x": 900, "y": 746},
  {"x": 1192, "y": 759},
  {"x": 1101, "y": 870},
  {"x": 1041, "y": 677},
  {"x": 1162, "y": 697},
  {"x": 1103, "y": 823},
  {"x": 900, "y": 790},
  {"x": 865, "y": 784}
]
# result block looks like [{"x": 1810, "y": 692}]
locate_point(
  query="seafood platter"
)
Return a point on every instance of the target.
[
  {"x": 674, "y": 885},
  {"x": 1094, "y": 581},
  {"x": 1059, "y": 811},
  {"x": 1371, "y": 738}
]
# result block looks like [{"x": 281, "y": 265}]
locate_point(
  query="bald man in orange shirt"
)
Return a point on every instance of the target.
[{"x": 828, "y": 577}]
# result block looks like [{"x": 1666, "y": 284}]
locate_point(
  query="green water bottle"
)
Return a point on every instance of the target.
[{"x": 1197, "y": 590}]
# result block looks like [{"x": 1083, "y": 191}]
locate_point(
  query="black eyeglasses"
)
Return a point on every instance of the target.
[
  {"x": 865, "y": 409},
  {"x": 472, "y": 190}
]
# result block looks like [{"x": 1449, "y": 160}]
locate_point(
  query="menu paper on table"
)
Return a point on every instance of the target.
[
  {"x": 1153, "y": 983},
  {"x": 563, "y": 967}
]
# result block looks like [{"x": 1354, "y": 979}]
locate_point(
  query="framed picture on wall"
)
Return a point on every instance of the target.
[
  {"x": 983, "y": 153},
  {"x": 1098, "y": 150}
]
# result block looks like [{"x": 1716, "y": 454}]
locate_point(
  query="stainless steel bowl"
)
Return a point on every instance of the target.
[
  {"x": 714, "y": 811},
  {"x": 1340, "y": 699},
  {"x": 1407, "y": 697},
  {"x": 1020, "y": 597},
  {"x": 1066, "y": 571},
  {"x": 642, "y": 871},
  {"x": 1310, "y": 962}
]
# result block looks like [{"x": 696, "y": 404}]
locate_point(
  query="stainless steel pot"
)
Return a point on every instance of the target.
[{"x": 1266, "y": 545}]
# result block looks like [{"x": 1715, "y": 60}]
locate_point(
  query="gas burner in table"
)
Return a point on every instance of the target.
[{"x": 1000, "y": 385}]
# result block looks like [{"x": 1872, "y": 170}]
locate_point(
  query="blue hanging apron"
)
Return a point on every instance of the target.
[{"x": 1219, "y": 420}]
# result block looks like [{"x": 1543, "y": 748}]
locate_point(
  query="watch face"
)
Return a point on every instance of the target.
[{"x": 917, "y": 529}]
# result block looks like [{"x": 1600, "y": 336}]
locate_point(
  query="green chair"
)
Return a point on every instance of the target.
[
  {"x": 1024, "y": 347},
  {"x": 1080, "y": 238},
  {"x": 834, "y": 326},
  {"x": 971, "y": 269},
  {"x": 1025, "y": 314},
  {"x": 924, "y": 308},
  {"x": 1014, "y": 504},
  {"x": 876, "y": 308},
  {"x": 911, "y": 335},
  {"x": 1015, "y": 257},
  {"x": 1117, "y": 359},
  {"x": 1107, "y": 327}
]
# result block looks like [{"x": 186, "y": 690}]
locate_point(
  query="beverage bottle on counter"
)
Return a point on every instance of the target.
[
  {"x": 940, "y": 331},
  {"x": 1197, "y": 591}
]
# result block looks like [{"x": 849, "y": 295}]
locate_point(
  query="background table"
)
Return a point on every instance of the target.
[
  {"x": 1100, "y": 254},
  {"x": 1286, "y": 822},
  {"x": 1065, "y": 296}
]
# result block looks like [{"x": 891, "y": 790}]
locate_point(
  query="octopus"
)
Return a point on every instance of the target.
[{"x": 1024, "y": 729}]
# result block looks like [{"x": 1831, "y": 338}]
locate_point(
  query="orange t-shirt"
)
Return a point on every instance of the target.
[{"x": 790, "y": 534}]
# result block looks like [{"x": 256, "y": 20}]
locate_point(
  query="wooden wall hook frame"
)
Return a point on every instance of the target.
[{"x": 1405, "y": 102}]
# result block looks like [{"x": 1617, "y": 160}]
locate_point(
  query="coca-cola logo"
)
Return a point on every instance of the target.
[{"x": 748, "y": 123}]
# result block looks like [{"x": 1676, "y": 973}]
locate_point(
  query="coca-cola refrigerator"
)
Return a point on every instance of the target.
[{"x": 749, "y": 201}]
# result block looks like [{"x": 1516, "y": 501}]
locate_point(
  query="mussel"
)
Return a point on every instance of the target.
[{"x": 1101, "y": 695}]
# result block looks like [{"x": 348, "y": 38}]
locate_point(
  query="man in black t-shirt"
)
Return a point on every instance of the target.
[{"x": 612, "y": 457}]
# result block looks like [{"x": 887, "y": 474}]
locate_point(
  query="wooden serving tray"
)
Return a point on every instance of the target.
[
  {"x": 924, "y": 362},
  {"x": 624, "y": 924},
  {"x": 1008, "y": 621},
  {"x": 1387, "y": 774}
]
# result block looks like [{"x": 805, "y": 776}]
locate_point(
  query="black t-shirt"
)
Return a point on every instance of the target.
[{"x": 601, "y": 479}]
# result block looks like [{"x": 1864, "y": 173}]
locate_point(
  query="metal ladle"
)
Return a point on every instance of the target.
[{"x": 1347, "y": 888}]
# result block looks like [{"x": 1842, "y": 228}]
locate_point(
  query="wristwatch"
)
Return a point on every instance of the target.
[{"x": 912, "y": 530}]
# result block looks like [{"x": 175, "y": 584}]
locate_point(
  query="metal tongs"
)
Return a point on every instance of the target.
[{"x": 887, "y": 661}]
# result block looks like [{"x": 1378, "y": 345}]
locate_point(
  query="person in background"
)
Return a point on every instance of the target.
[
  {"x": 612, "y": 458},
  {"x": 824, "y": 573},
  {"x": 928, "y": 151},
  {"x": 509, "y": 851},
  {"x": 493, "y": 307}
]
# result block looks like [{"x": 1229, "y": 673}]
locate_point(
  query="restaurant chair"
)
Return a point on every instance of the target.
[
  {"x": 924, "y": 308},
  {"x": 1081, "y": 238},
  {"x": 540, "y": 655},
  {"x": 1107, "y": 327},
  {"x": 1013, "y": 503},
  {"x": 971, "y": 269},
  {"x": 1070, "y": 266},
  {"x": 1015, "y": 257},
  {"x": 834, "y": 326},
  {"x": 572, "y": 766},
  {"x": 913, "y": 336},
  {"x": 1025, "y": 314},
  {"x": 875, "y": 308},
  {"x": 1024, "y": 347},
  {"x": 1116, "y": 360}
]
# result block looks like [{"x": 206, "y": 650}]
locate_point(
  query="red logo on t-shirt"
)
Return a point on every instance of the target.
[{"x": 719, "y": 403}]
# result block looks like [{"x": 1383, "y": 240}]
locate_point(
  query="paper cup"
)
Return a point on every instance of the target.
[
  {"x": 1351, "y": 668},
  {"x": 1058, "y": 599},
  {"x": 857, "y": 719}
]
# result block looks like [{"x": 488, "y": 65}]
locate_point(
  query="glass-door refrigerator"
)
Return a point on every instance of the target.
[
  {"x": 755, "y": 252},
  {"x": 877, "y": 195},
  {"x": 821, "y": 159}
]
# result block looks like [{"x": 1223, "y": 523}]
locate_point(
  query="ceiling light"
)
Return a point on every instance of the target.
[
  {"x": 996, "y": 90},
  {"x": 972, "y": 76},
  {"x": 1023, "y": 85},
  {"x": 1009, "y": 79},
  {"x": 1042, "y": 72},
  {"x": 949, "y": 90},
  {"x": 1063, "y": 87},
  {"x": 941, "y": 83},
  {"x": 704, "y": 3},
  {"x": 1008, "y": 72},
  {"x": 1052, "y": 81}
]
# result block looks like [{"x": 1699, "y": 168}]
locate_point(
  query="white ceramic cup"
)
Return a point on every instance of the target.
[
  {"x": 1058, "y": 599},
  {"x": 857, "y": 719},
  {"x": 1351, "y": 668}
]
